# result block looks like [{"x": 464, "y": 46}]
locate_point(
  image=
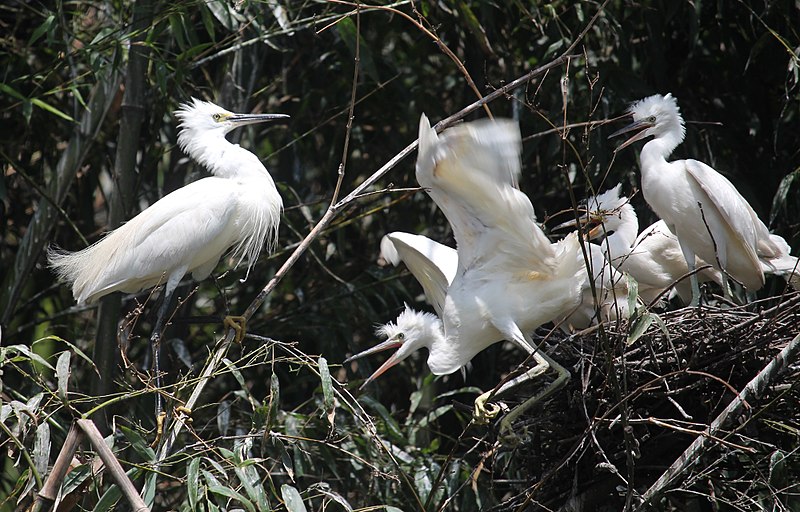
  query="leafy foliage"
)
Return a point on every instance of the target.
[{"x": 277, "y": 426}]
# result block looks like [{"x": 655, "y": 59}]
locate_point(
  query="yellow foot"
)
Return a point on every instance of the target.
[
  {"x": 238, "y": 324},
  {"x": 159, "y": 428},
  {"x": 483, "y": 412},
  {"x": 183, "y": 413}
]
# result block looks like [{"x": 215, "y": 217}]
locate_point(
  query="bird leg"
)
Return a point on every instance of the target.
[
  {"x": 688, "y": 255},
  {"x": 483, "y": 412},
  {"x": 155, "y": 338},
  {"x": 562, "y": 378}
]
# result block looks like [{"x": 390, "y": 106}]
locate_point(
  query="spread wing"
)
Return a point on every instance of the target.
[
  {"x": 470, "y": 171},
  {"x": 434, "y": 265}
]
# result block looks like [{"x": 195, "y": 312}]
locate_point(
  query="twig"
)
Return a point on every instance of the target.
[
  {"x": 112, "y": 465},
  {"x": 49, "y": 491},
  {"x": 752, "y": 391},
  {"x": 223, "y": 345}
]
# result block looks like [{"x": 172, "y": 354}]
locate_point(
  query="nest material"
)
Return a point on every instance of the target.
[{"x": 630, "y": 411}]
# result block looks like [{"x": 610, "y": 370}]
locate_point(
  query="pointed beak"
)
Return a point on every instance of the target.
[
  {"x": 245, "y": 119},
  {"x": 391, "y": 343},
  {"x": 572, "y": 223},
  {"x": 642, "y": 125},
  {"x": 596, "y": 232}
]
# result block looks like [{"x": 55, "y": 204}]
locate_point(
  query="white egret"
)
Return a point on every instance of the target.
[
  {"x": 705, "y": 211},
  {"x": 653, "y": 258},
  {"x": 510, "y": 279},
  {"x": 606, "y": 301},
  {"x": 189, "y": 229}
]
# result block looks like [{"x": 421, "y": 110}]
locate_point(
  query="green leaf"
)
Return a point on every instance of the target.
[
  {"x": 108, "y": 499},
  {"x": 11, "y": 92},
  {"x": 292, "y": 499},
  {"x": 779, "y": 200},
  {"x": 251, "y": 481},
  {"x": 41, "y": 447},
  {"x": 62, "y": 373},
  {"x": 391, "y": 425},
  {"x": 33, "y": 356},
  {"x": 42, "y": 29},
  {"x": 633, "y": 291},
  {"x": 327, "y": 390},
  {"x": 49, "y": 108},
  {"x": 639, "y": 324},
  {"x": 138, "y": 443},
  {"x": 193, "y": 482},
  {"x": 229, "y": 493}
]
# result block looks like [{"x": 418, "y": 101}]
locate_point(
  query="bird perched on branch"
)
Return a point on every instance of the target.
[
  {"x": 653, "y": 257},
  {"x": 509, "y": 279},
  {"x": 708, "y": 215},
  {"x": 188, "y": 230}
]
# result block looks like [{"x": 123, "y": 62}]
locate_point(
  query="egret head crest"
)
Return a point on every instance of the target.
[
  {"x": 655, "y": 116},
  {"x": 411, "y": 331}
]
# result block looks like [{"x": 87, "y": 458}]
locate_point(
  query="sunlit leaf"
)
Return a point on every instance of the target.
[{"x": 292, "y": 499}]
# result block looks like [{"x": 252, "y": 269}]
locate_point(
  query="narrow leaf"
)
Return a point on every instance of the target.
[
  {"x": 193, "y": 482},
  {"x": 53, "y": 110},
  {"x": 62, "y": 373},
  {"x": 41, "y": 448},
  {"x": 292, "y": 499}
]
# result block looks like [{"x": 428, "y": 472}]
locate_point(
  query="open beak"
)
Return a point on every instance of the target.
[
  {"x": 572, "y": 223},
  {"x": 642, "y": 125},
  {"x": 584, "y": 220},
  {"x": 596, "y": 232},
  {"x": 391, "y": 343},
  {"x": 245, "y": 119}
]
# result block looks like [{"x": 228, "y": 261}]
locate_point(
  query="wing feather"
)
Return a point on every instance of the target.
[
  {"x": 434, "y": 265},
  {"x": 470, "y": 171}
]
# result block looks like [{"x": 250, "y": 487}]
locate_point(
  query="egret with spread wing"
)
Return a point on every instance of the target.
[
  {"x": 708, "y": 215},
  {"x": 510, "y": 279},
  {"x": 189, "y": 229}
]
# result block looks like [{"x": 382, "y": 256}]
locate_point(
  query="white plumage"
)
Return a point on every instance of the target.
[
  {"x": 509, "y": 279},
  {"x": 189, "y": 229},
  {"x": 708, "y": 215},
  {"x": 653, "y": 257}
]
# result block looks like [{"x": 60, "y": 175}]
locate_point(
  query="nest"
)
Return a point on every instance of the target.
[{"x": 632, "y": 410}]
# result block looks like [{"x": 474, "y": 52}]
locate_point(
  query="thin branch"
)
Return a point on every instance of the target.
[{"x": 223, "y": 345}]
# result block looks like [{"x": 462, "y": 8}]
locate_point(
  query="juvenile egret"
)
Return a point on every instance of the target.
[
  {"x": 189, "y": 229},
  {"x": 653, "y": 258},
  {"x": 608, "y": 297},
  {"x": 434, "y": 265},
  {"x": 705, "y": 211},
  {"x": 510, "y": 279}
]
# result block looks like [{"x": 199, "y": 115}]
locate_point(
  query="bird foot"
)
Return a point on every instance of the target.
[
  {"x": 238, "y": 324},
  {"x": 160, "y": 420},
  {"x": 183, "y": 413},
  {"x": 485, "y": 412}
]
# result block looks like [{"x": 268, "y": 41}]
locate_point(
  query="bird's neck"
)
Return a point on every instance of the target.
[
  {"x": 624, "y": 235},
  {"x": 657, "y": 150},
  {"x": 224, "y": 159},
  {"x": 443, "y": 349}
]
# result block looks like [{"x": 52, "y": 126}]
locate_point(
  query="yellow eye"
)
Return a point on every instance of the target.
[
  {"x": 401, "y": 336},
  {"x": 217, "y": 117}
]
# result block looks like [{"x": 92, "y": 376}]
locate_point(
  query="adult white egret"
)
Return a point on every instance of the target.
[
  {"x": 189, "y": 229},
  {"x": 510, "y": 279},
  {"x": 705, "y": 211},
  {"x": 653, "y": 258}
]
